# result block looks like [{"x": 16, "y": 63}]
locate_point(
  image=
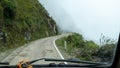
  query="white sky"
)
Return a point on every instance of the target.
[{"x": 88, "y": 17}]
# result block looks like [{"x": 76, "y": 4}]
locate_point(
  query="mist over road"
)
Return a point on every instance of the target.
[{"x": 42, "y": 48}]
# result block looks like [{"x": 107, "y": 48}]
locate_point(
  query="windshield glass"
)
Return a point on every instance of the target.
[{"x": 87, "y": 30}]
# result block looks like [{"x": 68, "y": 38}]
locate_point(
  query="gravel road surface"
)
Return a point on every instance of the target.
[{"x": 42, "y": 48}]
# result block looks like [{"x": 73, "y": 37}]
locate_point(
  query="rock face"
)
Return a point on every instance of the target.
[{"x": 25, "y": 20}]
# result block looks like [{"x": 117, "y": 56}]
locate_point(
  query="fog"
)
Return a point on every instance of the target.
[
  {"x": 62, "y": 18},
  {"x": 87, "y": 17}
]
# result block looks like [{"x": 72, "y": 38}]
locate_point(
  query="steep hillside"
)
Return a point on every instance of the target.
[{"x": 22, "y": 21}]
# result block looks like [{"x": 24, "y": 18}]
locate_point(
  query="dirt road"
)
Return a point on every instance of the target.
[{"x": 42, "y": 48}]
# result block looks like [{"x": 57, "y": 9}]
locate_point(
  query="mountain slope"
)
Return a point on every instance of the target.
[{"x": 22, "y": 21}]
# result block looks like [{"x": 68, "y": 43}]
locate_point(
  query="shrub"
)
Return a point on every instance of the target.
[
  {"x": 76, "y": 39},
  {"x": 9, "y": 9},
  {"x": 106, "y": 52},
  {"x": 1, "y": 11}
]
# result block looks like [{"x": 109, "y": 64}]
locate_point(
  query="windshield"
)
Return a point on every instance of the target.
[{"x": 85, "y": 30}]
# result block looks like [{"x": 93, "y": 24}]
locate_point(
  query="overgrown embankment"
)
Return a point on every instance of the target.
[
  {"x": 77, "y": 47},
  {"x": 22, "y": 21}
]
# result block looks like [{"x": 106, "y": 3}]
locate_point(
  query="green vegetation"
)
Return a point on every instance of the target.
[
  {"x": 106, "y": 51},
  {"x": 78, "y": 47},
  {"x": 22, "y": 21},
  {"x": 86, "y": 50}
]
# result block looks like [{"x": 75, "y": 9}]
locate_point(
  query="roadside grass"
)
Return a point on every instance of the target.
[
  {"x": 77, "y": 47},
  {"x": 87, "y": 50}
]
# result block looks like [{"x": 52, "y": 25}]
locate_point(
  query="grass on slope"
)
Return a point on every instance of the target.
[
  {"x": 88, "y": 50},
  {"x": 77, "y": 47},
  {"x": 20, "y": 19}
]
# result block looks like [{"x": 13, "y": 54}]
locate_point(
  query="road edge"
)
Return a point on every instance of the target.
[{"x": 58, "y": 50}]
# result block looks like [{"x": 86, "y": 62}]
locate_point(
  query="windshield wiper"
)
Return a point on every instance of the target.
[
  {"x": 81, "y": 63},
  {"x": 4, "y": 63},
  {"x": 69, "y": 60},
  {"x": 72, "y": 60},
  {"x": 61, "y": 60}
]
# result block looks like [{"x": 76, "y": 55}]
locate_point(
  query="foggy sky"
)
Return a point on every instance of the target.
[{"x": 87, "y": 17}]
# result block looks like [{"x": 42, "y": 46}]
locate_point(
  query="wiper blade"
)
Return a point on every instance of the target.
[
  {"x": 4, "y": 63},
  {"x": 82, "y": 63},
  {"x": 68, "y": 60},
  {"x": 73, "y": 61}
]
